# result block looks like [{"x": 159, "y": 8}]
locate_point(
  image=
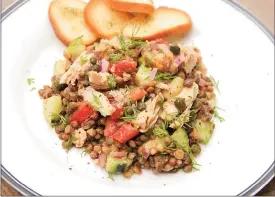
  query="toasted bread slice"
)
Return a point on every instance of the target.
[
  {"x": 164, "y": 22},
  {"x": 66, "y": 17},
  {"x": 134, "y": 6}
]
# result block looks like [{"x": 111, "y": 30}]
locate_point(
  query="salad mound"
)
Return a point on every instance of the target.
[{"x": 132, "y": 104}]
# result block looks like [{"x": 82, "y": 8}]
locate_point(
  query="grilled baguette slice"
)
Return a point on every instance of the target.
[
  {"x": 67, "y": 19},
  {"x": 107, "y": 23}
]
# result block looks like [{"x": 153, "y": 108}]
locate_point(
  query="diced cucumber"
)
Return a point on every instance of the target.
[
  {"x": 175, "y": 87},
  {"x": 60, "y": 67},
  {"x": 143, "y": 76},
  {"x": 116, "y": 165},
  {"x": 202, "y": 130},
  {"x": 181, "y": 137},
  {"x": 76, "y": 47},
  {"x": 51, "y": 109}
]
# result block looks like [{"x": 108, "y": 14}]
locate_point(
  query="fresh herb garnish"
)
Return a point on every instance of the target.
[
  {"x": 83, "y": 60},
  {"x": 164, "y": 76},
  {"x": 111, "y": 80},
  {"x": 216, "y": 83},
  {"x": 114, "y": 57},
  {"x": 126, "y": 45},
  {"x": 160, "y": 131},
  {"x": 111, "y": 176},
  {"x": 217, "y": 116},
  {"x": 84, "y": 152},
  {"x": 30, "y": 81},
  {"x": 129, "y": 118},
  {"x": 96, "y": 104}
]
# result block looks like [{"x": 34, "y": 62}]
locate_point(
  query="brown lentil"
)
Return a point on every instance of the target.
[
  {"x": 100, "y": 130},
  {"x": 132, "y": 155},
  {"x": 59, "y": 129},
  {"x": 137, "y": 170},
  {"x": 93, "y": 155},
  {"x": 143, "y": 138},
  {"x": 74, "y": 124},
  {"x": 186, "y": 159},
  {"x": 90, "y": 148},
  {"x": 181, "y": 74},
  {"x": 102, "y": 121},
  {"x": 98, "y": 136},
  {"x": 179, "y": 154},
  {"x": 155, "y": 171},
  {"x": 188, "y": 168},
  {"x": 92, "y": 132},
  {"x": 132, "y": 144},
  {"x": 150, "y": 90},
  {"x": 172, "y": 161},
  {"x": 65, "y": 101},
  {"x": 69, "y": 129},
  {"x": 127, "y": 174},
  {"x": 106, "y": 149},
  {"x": 88, "y": 124},
  {"x": 188, "y": 82}
]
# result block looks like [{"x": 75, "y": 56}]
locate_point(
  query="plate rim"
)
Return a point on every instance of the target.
[{"x": 253, "y": 189}]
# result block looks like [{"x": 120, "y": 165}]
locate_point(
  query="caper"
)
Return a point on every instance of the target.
[
  {"x": 95, "y": 68},
  {"x": 141, "y": 106},
  {"x": 93, "y": 60},
  {"x": 61, "y": 87},
  {"x": 129, "y": 111},
  {"x": 196, "y": 149},
  {"x": 180, "y": 104},
  {"x": 175, "y": 49}
]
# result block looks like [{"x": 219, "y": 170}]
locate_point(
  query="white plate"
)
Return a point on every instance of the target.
[{"x": 234, "y": 48}]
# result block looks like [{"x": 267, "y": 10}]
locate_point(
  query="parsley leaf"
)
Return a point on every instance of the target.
[{"x": 84, "y": 152}]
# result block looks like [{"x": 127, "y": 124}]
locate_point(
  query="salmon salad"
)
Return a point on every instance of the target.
[{"x": 132, "y": 104}]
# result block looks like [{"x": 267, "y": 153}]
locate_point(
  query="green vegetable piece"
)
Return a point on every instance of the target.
[
  {"x": 116, "y": 165},
  {"x": 52, "y": 107},
  {"x": 111, "y": 80},
  {"x": 175, "y": 49},
  {"x": 202, "y": 130},
  {"x": 196, "y": 149},
  {"x": 60, "y": 67},
  {"x": 180, "y": 104},
  {"x": 181, "y": 138},
  {"x": 128, "y": 111},
  {"x": 143, "y": 76},
  {"x": 93, "y": 60},
  {"x": 175, "y": 87},
  {"x": 76, "y": 47},
  {"x": 141, "y": 106}
]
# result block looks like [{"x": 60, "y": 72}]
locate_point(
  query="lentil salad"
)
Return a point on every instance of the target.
[{"x": 132, "y": 104}]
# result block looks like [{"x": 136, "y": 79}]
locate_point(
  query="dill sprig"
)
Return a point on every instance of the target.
[
  {"x": 111, "y": 176},
  {"x": 83, "y": 60},
  {"x": 31, "y": 81},
  {"x": 84, "y": 152},
  {"x": 217, "y": 116},
  {"x": 164, "y": 76},
  {"x": 216, "y": 84},
  {"x": 114, "y": 57}
]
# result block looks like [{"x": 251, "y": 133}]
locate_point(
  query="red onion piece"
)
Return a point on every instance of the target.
[
  {"x": 104, "y": 65},
  {"x": 178, "y": 61},
  {"x": 102, "y": 160},
  {"x": 153, "y": 73}
]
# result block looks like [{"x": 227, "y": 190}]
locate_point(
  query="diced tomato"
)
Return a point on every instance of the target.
[
  {"x": 83, "y": 113},
  {"x": 121, "y": 133},
  {"x": 117, "y": 113},
  {"x": 137, "y": 94},
  {"x": 122, "y": 66},
  {"x": 125, "y": 133},
  {"x": 111, "y": 128}
]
